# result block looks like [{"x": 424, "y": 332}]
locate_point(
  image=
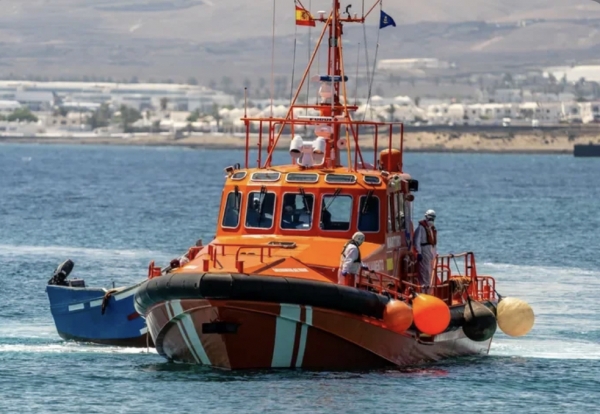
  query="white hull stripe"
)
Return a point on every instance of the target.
[
  {"x": 78, "y": 306},
  {"x": 301, "y": 345},
  {"x": 98, "y": 302},
  {"x": 303, "y": 334},
  {"x": 126, "y": 294},
  {"x": 183, "y": 335},
  {"x": 186, "y": 325},
  {"x": 285, "y": 336}
]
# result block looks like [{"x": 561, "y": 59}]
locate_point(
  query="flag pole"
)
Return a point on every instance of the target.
[{"x": 371, "y": 9}]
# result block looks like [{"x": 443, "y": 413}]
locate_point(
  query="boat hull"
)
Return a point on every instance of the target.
[
  {"x": 79, "y": 315},
  {"x": 259, "y": 335}
]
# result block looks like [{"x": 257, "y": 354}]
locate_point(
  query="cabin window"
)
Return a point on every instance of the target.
[
  {"x": 260, "y": 210},
  {"x": 231, "y": 216},
  {"x": 372, "y": 179},
  {"x": 302, "y": 178},
  {"x": 240, "y": 175},
  {"x": 336, "y": 212},
  {"x": 265, "y": 176},
  {"x": 340, "y": 179},
  {"x": 368, "y": 213},
  {"x": 297, "y": 211}
]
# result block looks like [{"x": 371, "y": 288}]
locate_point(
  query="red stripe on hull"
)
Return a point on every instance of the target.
[{"x": 291, "y": 336}]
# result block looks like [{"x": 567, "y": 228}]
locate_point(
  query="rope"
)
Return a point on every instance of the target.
[
  {"x": 372, "y": 75},
  {"x": 273, "y": 60},
  {"x": 293, "y": 63},
  {"x": 334, "y": 35},
  {"x": 456, "y": 264},
  {"x": 105, "y": 301},
  {"x": 345, "y": 95},
  {"x": 287, "y": 117},
  {"x": 147, "y": 338},
  {"x": 309, "y": 69},
  {"x": 357, "y": 63}
]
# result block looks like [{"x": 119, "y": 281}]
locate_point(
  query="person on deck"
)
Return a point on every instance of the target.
[
  {"x": 425, "y": 244},
  {"x": 350, "y": 262},
  {"x": 289, "y": 220}
]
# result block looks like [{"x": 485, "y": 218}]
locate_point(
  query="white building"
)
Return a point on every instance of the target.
[
  {"x": 9, "y": 106},
  {"x": 138, "y": 95},
  {"x": 393, "y": 65}
]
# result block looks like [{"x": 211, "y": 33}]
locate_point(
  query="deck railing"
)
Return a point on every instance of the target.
[{"x": 271, "y": 126}]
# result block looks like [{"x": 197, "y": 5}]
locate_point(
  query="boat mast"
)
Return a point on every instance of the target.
[{"x": 334, "y": 72}]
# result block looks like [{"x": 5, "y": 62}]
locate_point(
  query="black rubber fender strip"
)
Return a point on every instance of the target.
[{"x": 259, "y": 289}]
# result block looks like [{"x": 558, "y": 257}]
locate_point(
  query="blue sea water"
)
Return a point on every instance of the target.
[{"x": 532, "y": 221}]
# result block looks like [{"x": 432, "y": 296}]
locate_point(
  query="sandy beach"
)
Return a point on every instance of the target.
[{"x": 547, "y": 141}]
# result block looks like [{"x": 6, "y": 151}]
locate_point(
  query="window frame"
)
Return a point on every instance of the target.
[
  {"x": 241, "y": 193},
  {"x": 378, "y": 214},
  {"x": 287, "y": 178},
  {"x": 312, "y": 213},
  {"x": 327, "y": 176},
  {"x": 263, "y": 180},
  {"x": 365, "y": 176},
  {"x": 351, "y": 211},
  {"x": 234, "y": 178},
  {"x": 274, "y": 210}
]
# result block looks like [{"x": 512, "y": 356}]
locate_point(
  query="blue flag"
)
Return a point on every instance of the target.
[{"x": 386, "y": 20}]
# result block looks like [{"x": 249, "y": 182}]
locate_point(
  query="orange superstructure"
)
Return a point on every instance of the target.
[{"x": 264, "y": 292}]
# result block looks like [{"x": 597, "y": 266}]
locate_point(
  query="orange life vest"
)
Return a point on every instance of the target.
[
  {"x": 358, "y": 260},
  {"x": 431, "y": 234}
]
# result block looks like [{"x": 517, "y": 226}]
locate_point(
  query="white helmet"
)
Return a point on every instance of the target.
[
  {"x": 430, "y": 214},
  {"x": 358, "y": 237}
]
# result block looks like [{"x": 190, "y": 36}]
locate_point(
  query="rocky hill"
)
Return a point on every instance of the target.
[{"x": 208, "y": 39}]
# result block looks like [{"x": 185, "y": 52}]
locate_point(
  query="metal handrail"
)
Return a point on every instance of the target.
[
  {"x": 354, "y": 125},
  {"x": 212, "y": 249}
]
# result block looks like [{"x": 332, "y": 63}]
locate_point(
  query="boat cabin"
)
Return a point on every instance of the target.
[{"x": 334, "y": 203}]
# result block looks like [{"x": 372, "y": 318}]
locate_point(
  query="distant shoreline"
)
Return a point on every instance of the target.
[{"x": 498, "y": 142}]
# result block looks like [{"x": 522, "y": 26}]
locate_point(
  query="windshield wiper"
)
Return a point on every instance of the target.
[
  {"x": 335, "y": 194},
  {"x": 261, "y": 199},
  {"x": 365, "y": 207},
  {"x": 236, "y": 192},
  {"x": 305, "y": 202}
]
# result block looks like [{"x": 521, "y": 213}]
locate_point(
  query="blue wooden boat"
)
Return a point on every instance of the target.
[{"x": 96, "y": 315}]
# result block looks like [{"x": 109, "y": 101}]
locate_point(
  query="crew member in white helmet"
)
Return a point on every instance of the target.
[
  {"x": 350, "y": 262},
  {"x": 425, "y": 242}
]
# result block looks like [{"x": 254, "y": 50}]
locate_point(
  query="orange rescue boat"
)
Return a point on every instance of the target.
[{"x": 264, "y": 292}]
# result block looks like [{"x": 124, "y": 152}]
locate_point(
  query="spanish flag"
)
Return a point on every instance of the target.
[{"x": 303, "y": 17}]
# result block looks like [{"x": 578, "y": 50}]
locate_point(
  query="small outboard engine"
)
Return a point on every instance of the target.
[{"x": 60, "y": 274}]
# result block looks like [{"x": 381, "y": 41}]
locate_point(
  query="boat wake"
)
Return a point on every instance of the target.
[
  {"x": 80, "y": 252},
  {"x": 32, "y": 331},
  {"x": 70, "y": 347},
  {"x": 43, "y": 338},
  {"x": 546, "y": 349},
  {"x": 566, "y": 309}
]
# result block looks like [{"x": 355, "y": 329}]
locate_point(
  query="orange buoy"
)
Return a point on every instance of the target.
[
  {"x": 397, "y": 316},
  {"x": 431, "y": 315}
]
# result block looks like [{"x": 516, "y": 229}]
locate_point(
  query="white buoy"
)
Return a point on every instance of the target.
[{"x": 515, "y": 316}]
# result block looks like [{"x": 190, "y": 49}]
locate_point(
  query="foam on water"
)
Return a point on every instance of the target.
[
  {"x": 545, "y": 348},
  {"x": 69, "y": 347},
  {"x": 563, "y": 301},
  {"x": 29, "y": 331},
  {"x": 62, "y": 251}
]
